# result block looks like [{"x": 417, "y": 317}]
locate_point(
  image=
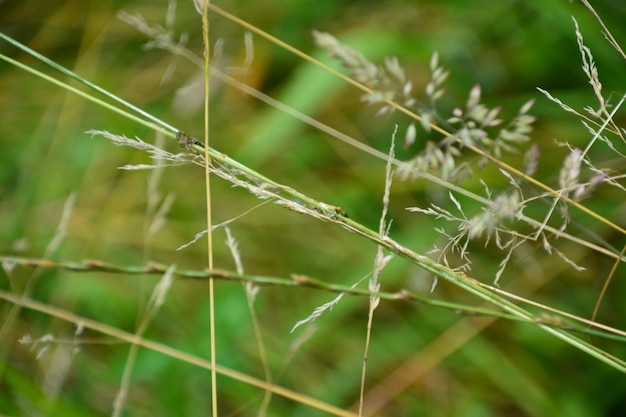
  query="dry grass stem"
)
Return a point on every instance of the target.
[{"x": 379, "y": 264}]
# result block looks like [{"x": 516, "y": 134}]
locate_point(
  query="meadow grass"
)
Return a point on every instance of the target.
[{"x": 439, "y": 277}]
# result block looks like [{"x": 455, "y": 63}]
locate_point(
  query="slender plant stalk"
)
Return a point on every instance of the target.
[
  {"x": 92, "y": 265},
  {"x": 81, "y": 80},
  {"x": 251, "y": 289},
  {"x": 379, "y": 264},
  {"x": 605, "y": 286},
  {"x": 207, "y": 162},
  {"x": 607, "y": 32}
]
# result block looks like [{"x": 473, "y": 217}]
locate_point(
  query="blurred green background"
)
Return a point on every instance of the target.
[{"x": 422, "y": 361}]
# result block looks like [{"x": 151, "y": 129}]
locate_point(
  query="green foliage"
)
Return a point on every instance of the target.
[{"x": 429, "y": 353}]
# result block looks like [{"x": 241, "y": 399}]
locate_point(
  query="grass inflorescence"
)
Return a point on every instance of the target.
[{"x": 472, "y": 215}]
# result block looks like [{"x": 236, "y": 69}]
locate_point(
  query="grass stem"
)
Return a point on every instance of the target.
[{"x": 207, "y": 161}]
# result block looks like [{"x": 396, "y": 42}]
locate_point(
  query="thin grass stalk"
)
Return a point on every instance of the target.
[
  {"x": 157, "y": 127},
  {"x": 605, "y": 287},
  {"x": 92, "y": 265},
  {"x": 251, "y": 289},
  {"x": 82, "y": 80},
  {"x": 207, "y": 162},
  {"x": 379, "y": 264},
  {"x": 607, "y": 34}
]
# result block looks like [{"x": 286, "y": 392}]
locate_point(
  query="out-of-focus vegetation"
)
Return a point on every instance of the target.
[{"x": 422, "y": 360}]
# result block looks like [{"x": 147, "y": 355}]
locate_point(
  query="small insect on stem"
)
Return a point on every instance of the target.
[
  {"x": 340, "y": 212},
  {"x": 188, "y": 142},
  {"x": 331, "y": 211}
]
